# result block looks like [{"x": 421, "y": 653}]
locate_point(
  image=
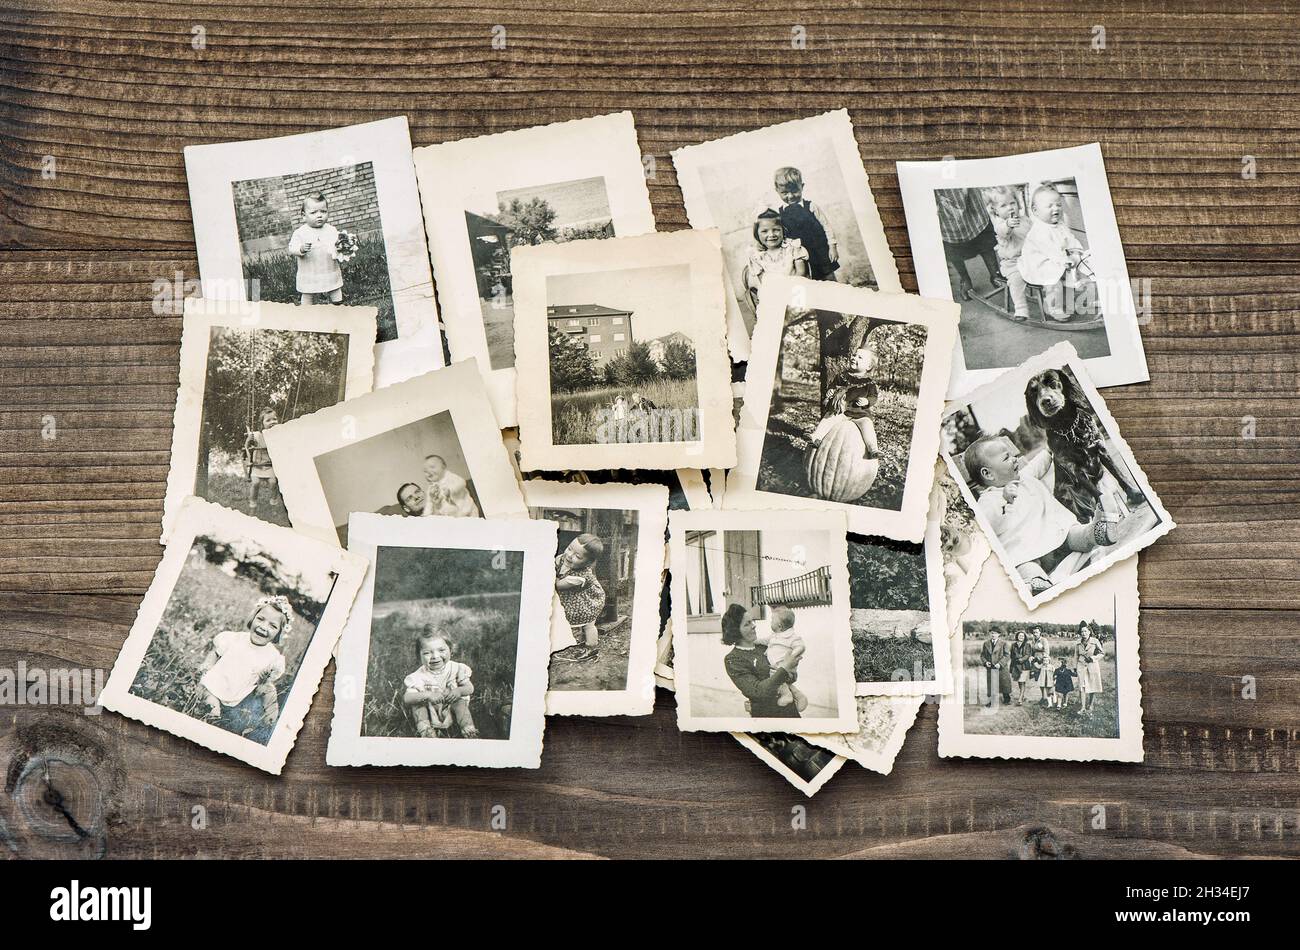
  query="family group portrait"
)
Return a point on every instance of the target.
[
  {"x": 256, "y": 379},
  {"x": 595, "y": 581},
  {"x": 233, "y": 634},
  {"x": 889, "y": 601},
  {"x": 1032, "y": 678},
  {"x": 316, "y": 237},
  {"x": 1020, "y": 265},
  {"x": 621, "y": 355},
  {"x": 554, "y": 212},
  {"x": 843, "y": 408},
  {"x": 761, "y": 625},
  {"x": 444, "y": 630},
  {"x": 1054, "y": 486},
  {"x": 414, "y": 470}
]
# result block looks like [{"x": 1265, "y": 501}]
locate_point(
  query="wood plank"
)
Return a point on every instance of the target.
[{"x": 1220, "y": 776}]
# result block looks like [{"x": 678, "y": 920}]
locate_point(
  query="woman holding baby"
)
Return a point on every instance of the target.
[{"x": 748, "y": 666}]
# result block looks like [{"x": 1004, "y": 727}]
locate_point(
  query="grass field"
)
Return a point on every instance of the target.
[
  {"x": 227, "y": 486},
  {"x": 576, "y": 418},
  {"x": 780, "y": 468},
  {"x": 484, "y": 632},
  {"x": 1031, "y": 719},
  {"x": 205, "y": 601}
]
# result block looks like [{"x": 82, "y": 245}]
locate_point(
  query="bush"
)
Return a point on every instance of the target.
[{"x": 365, "y": 281}]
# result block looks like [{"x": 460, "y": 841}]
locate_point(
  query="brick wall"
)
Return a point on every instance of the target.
[{"x": 267, "y": 210}]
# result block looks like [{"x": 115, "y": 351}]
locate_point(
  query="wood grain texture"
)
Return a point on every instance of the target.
[{"x": 114, "y": 90}]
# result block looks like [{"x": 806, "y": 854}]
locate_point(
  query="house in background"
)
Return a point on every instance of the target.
[
  {"x": 606, "y": 331},
  {"x": 729, "y": 567},
  {"x": 618, "y": 529}
]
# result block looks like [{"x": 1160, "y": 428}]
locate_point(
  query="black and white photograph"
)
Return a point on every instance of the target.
[
  {"x": 964, "y": 547},
  {"x": 843, "y": 396},
  {"x": 883, "y": 722},
  {"x": 898, "y": 613},
  {"x": 426, "y": 447},
  {"x": 609, "y": 562},
  {"x": 1057, "y": 682},
  {"x": 789, "y": 200},
  {"x": 760, "y": 613},
  {"x": 621, "y": 354},
  {"x": 563, "y": 211},
  {"x": 445, "y": 651},
  {"x": 1030, "y": 250},
  {"x": 485, "y": 196},
  {"x": 321, "y": 218},
  {"x": 246, "y": 367},
  {"x": 805, "y": 766},
  {"x": 233, "y": 637},
  {"x": 1041, "y": 462}
]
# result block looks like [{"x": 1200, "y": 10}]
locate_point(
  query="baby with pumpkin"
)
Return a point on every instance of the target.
[{"x": 842, "y": 460}]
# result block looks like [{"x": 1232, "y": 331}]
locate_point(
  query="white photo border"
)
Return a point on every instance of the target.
[
  {"x": 532, "y": 266},
  {"x": 938, "y": 598},
  {"x": 201, "y": 317},
  {"x": 1061, "y": 355},
  {"x": 838, "y": 128},
  {"x": 780, "y": 768},
  {"x": 536, "y": 539},
  {"x": 602, "y": 146},
  {"x": 1122, "y": 582},
  {"x": 458, "y": 389},
  {"x": 1127, "y": 362},
  {"x": 940, "y": 321},
  {"x": 830, "y": 522},
  {"x": 650, "y": 502},
  {"x": 386, "y": 144},
  {"x": 194, "y": 518}
]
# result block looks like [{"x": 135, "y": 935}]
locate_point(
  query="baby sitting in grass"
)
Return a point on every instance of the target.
[{"x": 438, "y": 691}]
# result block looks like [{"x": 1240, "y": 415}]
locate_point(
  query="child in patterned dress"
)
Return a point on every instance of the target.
[{"x": 580, "y": 592}]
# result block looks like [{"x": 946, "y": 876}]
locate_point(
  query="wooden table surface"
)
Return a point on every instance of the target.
[{"x": 113, "y": 89}]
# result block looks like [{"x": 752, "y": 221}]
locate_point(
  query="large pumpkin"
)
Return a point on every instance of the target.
[{"x": 835, "y": 466}]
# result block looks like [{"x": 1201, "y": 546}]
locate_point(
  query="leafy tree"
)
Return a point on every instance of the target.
[
  {"x": 636, "y": 366},
  {"x": 571, "y": 363},
  {"x": 531, "y": 221},
  {"x": 679, "y": 359},
  {"x": 293, "y": 372}
]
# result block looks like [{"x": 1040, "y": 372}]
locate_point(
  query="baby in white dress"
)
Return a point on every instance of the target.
[
  {"x": 1052, "y": 256},
  {"x": 314, "y": 243}
]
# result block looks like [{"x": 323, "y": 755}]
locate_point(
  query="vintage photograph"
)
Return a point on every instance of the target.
[
  {"x": 329, "y": 217},
  {"x": 570, "y": 181},
  {"x": 964, "y": 547},
  {"x": 447, "y": 643},
  {"x": 1030, "y": 250},
  {"x": 621, "y": 354},
  {"x": 843, "y": 396},
  {"x": 883, "y": 722},
  {"x": 1052, "y": 483},
  {"x": 805, "y": 766},
  {"x": 899, "y": 616},
  {"x": 760, "y": 614},
  {"x": 235, "y": 631},
  {"x": 246, "y": 367},
  {"x": 1058, "y": 682},
  {"x": 789, "y": 200},
  {"x": 609, "y": 566},
  {"x": 423, "y": 447}
]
